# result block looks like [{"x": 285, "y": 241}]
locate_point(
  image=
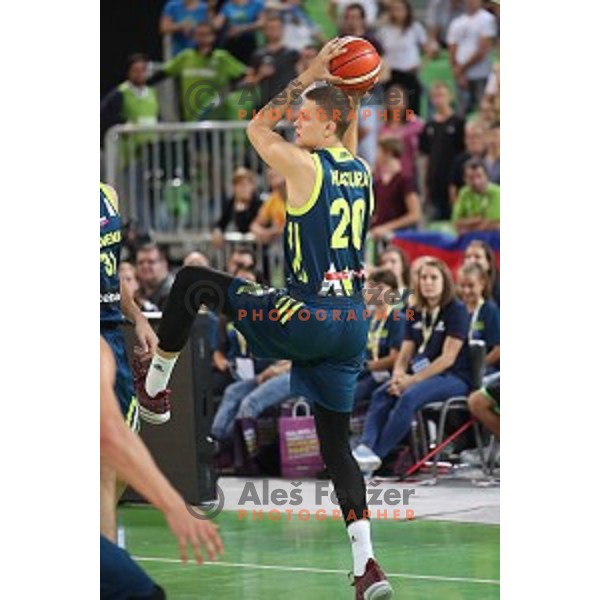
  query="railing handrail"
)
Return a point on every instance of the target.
[
  {"x": 174, "y": 127},
  {"x": 111, "y": 138},
  {"x": 202, "y": 235}
]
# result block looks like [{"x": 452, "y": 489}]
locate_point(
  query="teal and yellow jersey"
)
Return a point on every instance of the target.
[
  {"x": 110, "y": 253},
  {"x": 324, "y": 240}
]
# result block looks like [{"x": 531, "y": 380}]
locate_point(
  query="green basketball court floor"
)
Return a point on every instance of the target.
[{"x": 439, "y": 555}]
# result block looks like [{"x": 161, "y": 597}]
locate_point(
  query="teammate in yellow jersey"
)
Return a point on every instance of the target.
[{"x": 116, "y": 304}]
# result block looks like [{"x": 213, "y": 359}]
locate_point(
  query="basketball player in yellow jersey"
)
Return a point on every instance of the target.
[{"x": 321, "y": 322}]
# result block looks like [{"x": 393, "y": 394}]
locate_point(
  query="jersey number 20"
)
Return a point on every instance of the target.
[{"x": 350, "y": 215}]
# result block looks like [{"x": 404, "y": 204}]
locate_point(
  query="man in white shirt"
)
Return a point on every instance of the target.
[
  {"x": 470, "y": 39},
  {"x": 439, "y": 15},
  {"x": 337, "y": 8}
]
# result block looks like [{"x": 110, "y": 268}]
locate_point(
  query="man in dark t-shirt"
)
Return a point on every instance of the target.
[
  {"x": 274, "y": 65},
  {"x": 397, "y": 203},
  {"x": 441, "y": 141}
]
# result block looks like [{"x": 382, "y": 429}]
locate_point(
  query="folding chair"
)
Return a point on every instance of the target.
[{"x": 477, "y": 360}]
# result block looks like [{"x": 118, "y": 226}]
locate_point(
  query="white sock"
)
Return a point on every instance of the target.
[
  {"x": 159, "y": 374},
  {"x": 359, "y": 533}
]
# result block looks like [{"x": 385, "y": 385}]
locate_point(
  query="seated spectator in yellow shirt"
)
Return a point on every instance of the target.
[
  {"x": 270, "y": 221},
  {"x": 478, "y": 205}
]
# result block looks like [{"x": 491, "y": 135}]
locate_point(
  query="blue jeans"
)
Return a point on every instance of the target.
[
  {"x": 390, "y": 417},
  {"x": 365, "y": 386},
  {"x": 247, "y": 398}
]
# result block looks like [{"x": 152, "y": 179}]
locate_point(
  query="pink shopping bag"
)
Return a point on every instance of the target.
[{"x": 298, "y": 444}]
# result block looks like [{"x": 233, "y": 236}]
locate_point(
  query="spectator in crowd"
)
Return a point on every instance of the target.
[
  {"x": 492, "y": 155},
  {"x": 250, "y": 397},
  {"x": 338, "y": 8},
  {"x": 179, "y": 20},
  {"x": 432, "y": 365},
  {"x": 231, "y": 360},
  {"x": 491, "y": 98},
  {"x": 475, "y": 138},
  {"x": 136, "y": 103},
  {"x": 153, "y": 274},
  {"x": 269, "y": 224},
  {"x": 386, "y": 332},
  {"x": 251, "y": 276},
  {"x": 241, "y": 209},
  {"x": 307, "y": 54},
  {"x": 416, "y": 264},
  {"x": 195, "y": 259},
  {"x": 354, "y": 23},
  {"x": 397, "y": 204},
  {"x": 441, "y": 142},
  {"x": 132, "y": 238},
  {"x": 440, "y": 13},
  {"x": 480, "y": 253},
  {"x": 484, "y": 405},
  {"x": 474, "y": 290},
  {"x": 225, "y": 349},
  {"x": 206, "y": 75},
  {"x": 273, "y": 66},
  {"x": 393, "y": 259},
  {"x": 492, "y": 87},
  {"x": 128, "y": 279},
  {"x": 478, "y": 205},
  {"x": 487, "y": 114},
  {"x": 242, "y": 259},
  {"x": 299, "y": 30},
  {"x": 403, "y": 39},
  {"x": 470, "y": 39},
  {"x": 238, "y": 21},
  {"x": 403, "y": 127},
  {"x": 132, "y": 101}
]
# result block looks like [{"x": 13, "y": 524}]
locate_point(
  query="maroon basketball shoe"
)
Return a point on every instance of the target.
[
  {"x": 154, "y": 410},
  {"x": 373, "y": 585}
]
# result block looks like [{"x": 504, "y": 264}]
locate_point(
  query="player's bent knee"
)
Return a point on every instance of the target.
[{"x": 187, "y": 276}]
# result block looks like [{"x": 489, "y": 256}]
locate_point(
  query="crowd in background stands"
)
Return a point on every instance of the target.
[
  {"x": 440, "y": 162},
  {"x": 419, "y": 158},
  {"x": 246, "y": 386}
]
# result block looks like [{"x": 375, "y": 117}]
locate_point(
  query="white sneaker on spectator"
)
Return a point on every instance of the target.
[
  {"x": 367, "y": 459},
  {"x": 470, "y": 457}
]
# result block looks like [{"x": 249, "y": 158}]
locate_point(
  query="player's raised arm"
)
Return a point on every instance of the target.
[
  {"x": 350, "y": 139},
  {"x": 272, "y": 147}
]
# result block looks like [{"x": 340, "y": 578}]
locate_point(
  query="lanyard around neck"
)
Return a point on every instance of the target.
[
  {"x": 375, "y": 333},
  {"x": 242, "y": 343},
  {"x": 474, "y": 317},
  {"x": 428, "y": 330}
]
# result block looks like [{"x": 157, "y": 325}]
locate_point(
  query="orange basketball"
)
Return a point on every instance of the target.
[{"x": 359, "y": 66}]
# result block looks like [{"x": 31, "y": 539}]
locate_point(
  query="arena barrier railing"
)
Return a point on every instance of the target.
[{"x": 174, "y": 177}]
